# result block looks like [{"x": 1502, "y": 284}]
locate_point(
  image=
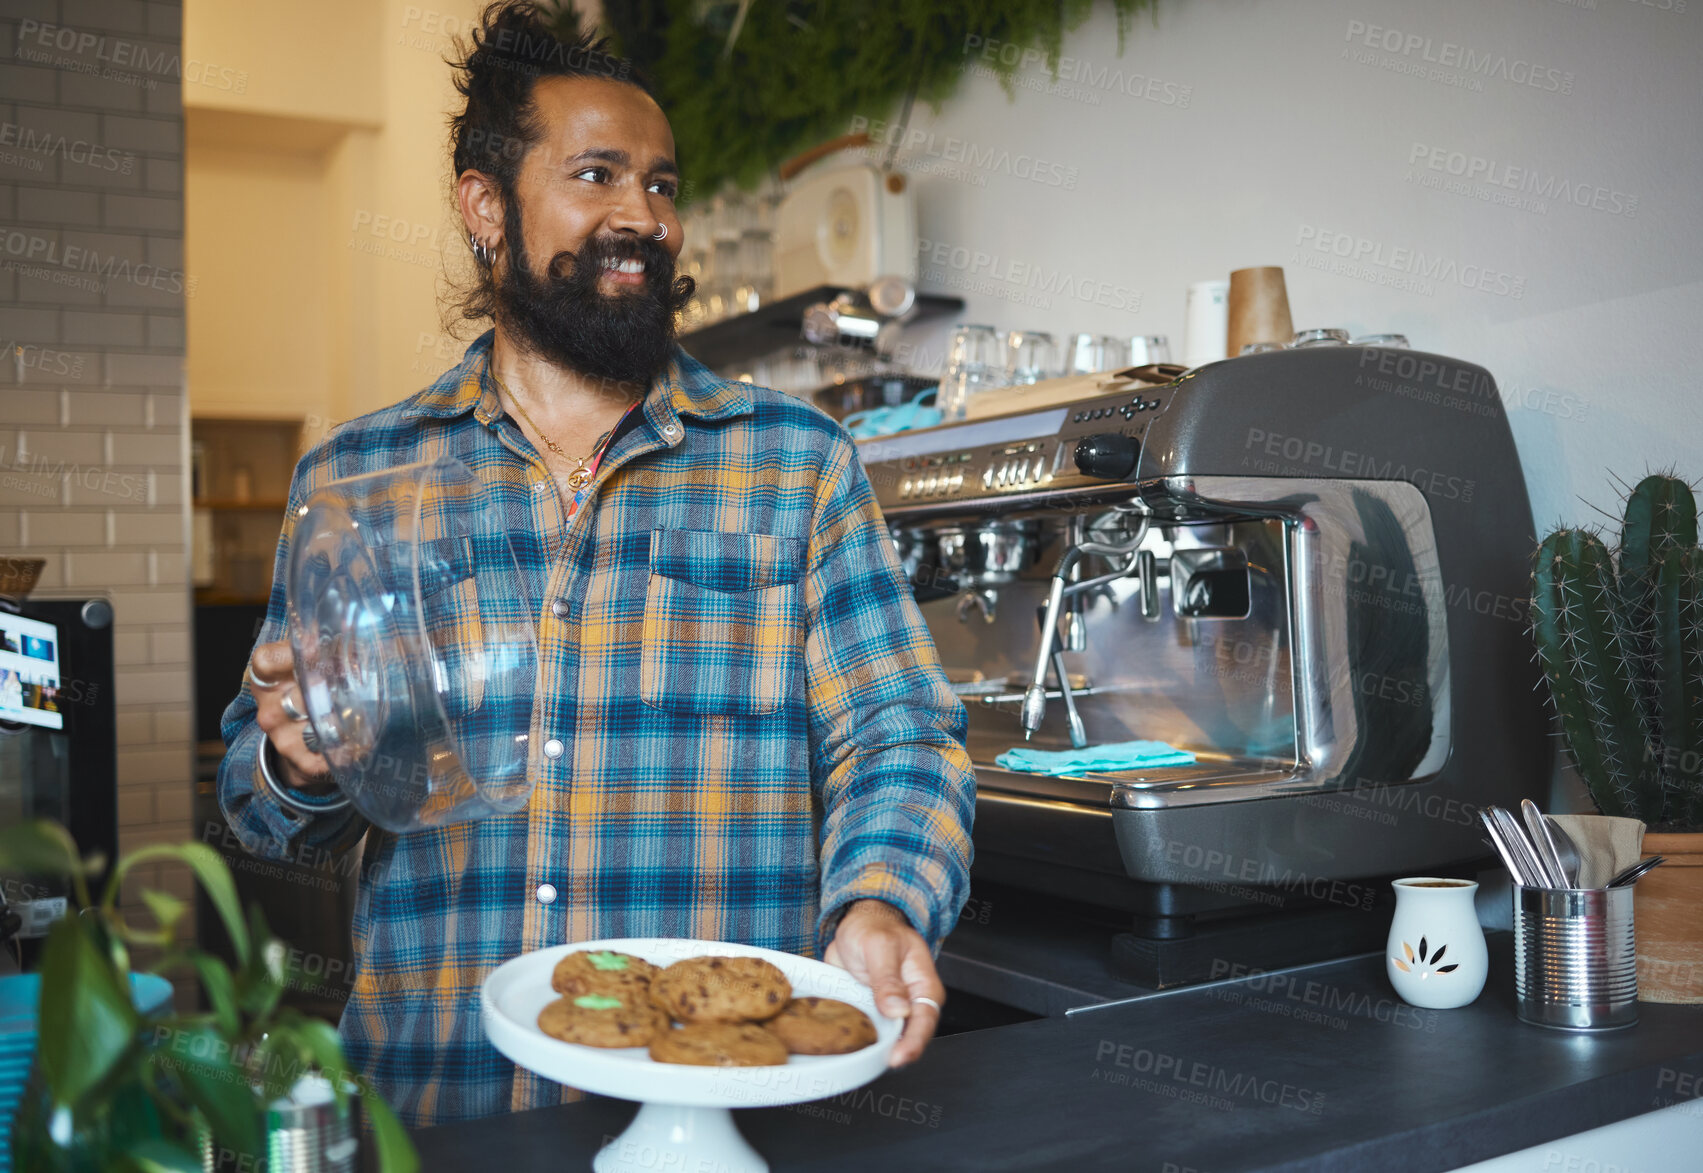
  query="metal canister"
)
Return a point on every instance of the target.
[
  {"x": 309, "y": 1132},
  {"x": 1575, "y": 959}
]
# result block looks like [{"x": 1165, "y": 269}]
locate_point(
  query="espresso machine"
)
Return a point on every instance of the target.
[{"x": 1306, "y": 567}]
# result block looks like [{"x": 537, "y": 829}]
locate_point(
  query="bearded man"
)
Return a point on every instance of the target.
[{"x": 745, "y": 733}]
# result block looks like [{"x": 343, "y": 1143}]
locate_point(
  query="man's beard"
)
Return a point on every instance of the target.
[{"x": 626, "y": 337}]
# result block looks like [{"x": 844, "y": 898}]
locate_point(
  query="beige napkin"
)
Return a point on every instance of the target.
[{"x": 1606, "y": 844}]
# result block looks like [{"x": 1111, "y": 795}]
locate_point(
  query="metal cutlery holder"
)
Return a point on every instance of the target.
[
  {"x": 317, "y": 1136},
  {"x": 311, "y": 1138},
  {"x": 1575, "y": 959}
]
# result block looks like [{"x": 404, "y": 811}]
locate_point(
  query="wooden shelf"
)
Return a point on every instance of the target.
[
  {"x": 269, "y": 505},
  {"x": 210, "y": 597}
]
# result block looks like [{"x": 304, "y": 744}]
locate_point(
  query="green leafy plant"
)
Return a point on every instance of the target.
[
  {"x": 748, "y": 84},
  {"x": 122, "y": 1092},
  {"x": 1620, "y": 636}
]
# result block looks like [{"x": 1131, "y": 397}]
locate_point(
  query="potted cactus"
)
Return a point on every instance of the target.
[{"x": 1620, "y": 636}]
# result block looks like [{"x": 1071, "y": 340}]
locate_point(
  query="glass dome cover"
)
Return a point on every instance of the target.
[{"x": 415, "y": 648}]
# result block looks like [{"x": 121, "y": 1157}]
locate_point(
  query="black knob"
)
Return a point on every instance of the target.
[{"x": 1108, "y": 456}]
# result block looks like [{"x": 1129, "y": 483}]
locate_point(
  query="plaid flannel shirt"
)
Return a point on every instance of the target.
[{"x": 756, "y": 730}]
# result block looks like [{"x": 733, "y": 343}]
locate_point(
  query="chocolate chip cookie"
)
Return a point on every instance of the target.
[
  {"x": 603, "y": 1020},
  {"x": 721, "y": 989},
  {"x": 602, "y": 971},
  {"x": 822, "y": 1026},
  {"x": 719, "y": 1044}
]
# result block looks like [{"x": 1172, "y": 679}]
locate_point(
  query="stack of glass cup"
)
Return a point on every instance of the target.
[
  {"x": 980, "y": 357},
  {"x": 729, "y": 251}
]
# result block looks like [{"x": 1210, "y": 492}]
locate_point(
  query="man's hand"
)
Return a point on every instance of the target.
[
  {"x": 274, "y": 664},
  {"x": 876, "y": 945}
]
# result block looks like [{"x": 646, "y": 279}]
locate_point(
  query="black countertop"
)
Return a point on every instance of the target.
[{"x": 1321, "y": 1068}]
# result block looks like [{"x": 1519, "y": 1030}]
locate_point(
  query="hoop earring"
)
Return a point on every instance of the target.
[
  {"x": 661, "y": 232},
  {"x": 482, "y": 252}
]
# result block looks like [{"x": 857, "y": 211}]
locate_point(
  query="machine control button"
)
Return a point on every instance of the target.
[
  {"x": 1108, "y": 456},
  {"x": 987, "y": 477},
  {"x": 957, "y": 481},
  {"x": 1040, "y": 468}
]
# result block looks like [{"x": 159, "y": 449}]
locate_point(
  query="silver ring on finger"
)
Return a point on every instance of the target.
[
  {"x": 927, "y": 1002},
  {"x": 254, "y": 678},
  {"x": 291, "y": 709}
]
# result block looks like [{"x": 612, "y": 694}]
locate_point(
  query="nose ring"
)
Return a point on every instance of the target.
[{"x": 660, "y": 233}]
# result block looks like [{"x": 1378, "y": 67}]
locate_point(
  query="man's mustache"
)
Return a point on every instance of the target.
[{"x": 600, "y": 250}]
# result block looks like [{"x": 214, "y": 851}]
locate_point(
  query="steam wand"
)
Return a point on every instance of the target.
[{"x": 1035, "y": 697}]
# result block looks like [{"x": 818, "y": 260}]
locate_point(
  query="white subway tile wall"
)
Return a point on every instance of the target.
[{"x": 92, "y": 403}]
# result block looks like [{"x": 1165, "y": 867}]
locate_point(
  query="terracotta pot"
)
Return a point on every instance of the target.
[{"x": 1669, "y": 918}]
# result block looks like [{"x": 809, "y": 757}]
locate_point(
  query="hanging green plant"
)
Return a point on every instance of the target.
[{"x": 748, "y": 83}]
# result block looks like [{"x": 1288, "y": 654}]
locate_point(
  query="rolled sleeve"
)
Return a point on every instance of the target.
[
  {"x": 887, "y": 732},
  {"x": 263, "y": 824}
]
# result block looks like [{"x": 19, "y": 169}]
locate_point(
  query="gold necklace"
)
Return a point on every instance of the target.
[{"x": 580, "y": 477}]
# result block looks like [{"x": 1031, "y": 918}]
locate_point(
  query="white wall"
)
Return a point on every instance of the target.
[{"x": 1294, "y": 128}]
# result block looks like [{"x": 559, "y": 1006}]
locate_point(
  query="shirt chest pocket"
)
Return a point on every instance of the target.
[{"x": 724, "y": 623}]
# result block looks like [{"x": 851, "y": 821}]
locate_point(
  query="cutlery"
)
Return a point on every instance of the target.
[
  {"x": 1629, "y": 874},
  {"x": 1535, "y": 874},
  {"x": 1543, "y": 847},
  {"x": 1509, "y": 859},
  {"x": 1571, "y": 861}
]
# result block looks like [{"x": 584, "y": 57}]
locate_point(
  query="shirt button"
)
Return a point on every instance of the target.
[
  {"x": 669, "y": 430},
  {"x": 553, "y": 748},
  {"x": 559, "y": 608},
  {"x": 546, "y": 893}
]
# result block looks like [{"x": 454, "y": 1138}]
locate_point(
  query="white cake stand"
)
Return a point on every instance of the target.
[{"x": 684, "y": 1122}]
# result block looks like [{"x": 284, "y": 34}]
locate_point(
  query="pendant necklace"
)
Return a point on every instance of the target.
[{"x": 580, "y": 477}]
